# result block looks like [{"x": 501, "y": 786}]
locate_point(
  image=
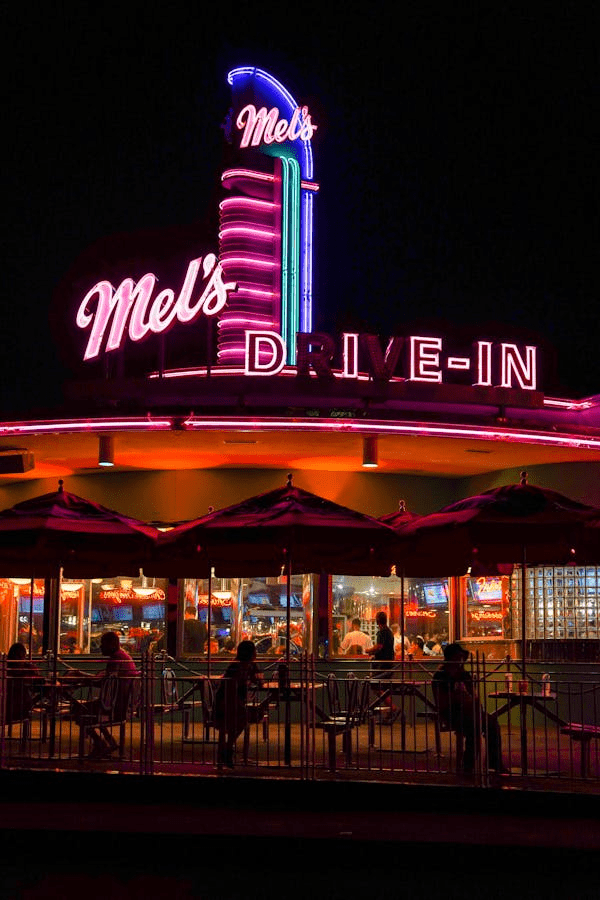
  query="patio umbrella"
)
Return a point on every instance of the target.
[
  {"x": 60, "y": 532},
  {"x": 284, "y": 531},
  {"x": 515, "y": 522},
  {"x": 287, "y": 530}
]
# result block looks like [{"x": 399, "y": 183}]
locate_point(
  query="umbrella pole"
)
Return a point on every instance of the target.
[
  {"x": 55, "y": 607},
  {"x": 288, "y": 609},
  {"x": 402, "y": 622},
  {"x": 31, "y": 587},
  {"x": 287, "y": 744},
  {"x": 208, "y": 619},
  {"x": 523, "y": 610}
]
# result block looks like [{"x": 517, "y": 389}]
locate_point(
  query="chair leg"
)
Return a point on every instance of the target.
[
  {"x": 438, "y": 736},
  {"x": 246, "y": 751},
  {"x": 332, "y": 747},
  {"x": 265, "y": 728},
  {"x": 585, "y": 757}
]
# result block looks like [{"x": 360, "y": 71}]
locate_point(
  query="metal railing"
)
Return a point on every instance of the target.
[{"x": 310, "y": 722}]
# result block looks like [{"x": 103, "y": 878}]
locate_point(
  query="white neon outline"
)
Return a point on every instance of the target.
[
  {"x": 484, "y": 364},
  {"x": 274, "y": 340},
  {"x": 425, "y": 359},
  {"x": 350, "y": 355},
  {"x": 458, "y": 363},
  {"x": 512, "y": 361}
]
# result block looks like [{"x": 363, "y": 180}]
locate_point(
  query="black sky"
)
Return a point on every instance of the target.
[{"x": 456, "y": 153}]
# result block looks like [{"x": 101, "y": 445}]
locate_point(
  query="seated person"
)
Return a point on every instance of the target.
[
  {"x": 22, "y": 681},
  {"x": 356, "y": 641},
  {"x": 457, "y": 706},
  {"x": 231, "y": 712},
  {"x": 122, "y": 665}
]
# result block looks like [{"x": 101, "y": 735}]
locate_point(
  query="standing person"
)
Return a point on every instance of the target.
[
  {"x": 459, "y": 708},
  {"x": 194, "y": 632},
  {"x": 356, "y": 641},
  {"x": 231, "y": 714},
  {"x": 383, "y": 649}
]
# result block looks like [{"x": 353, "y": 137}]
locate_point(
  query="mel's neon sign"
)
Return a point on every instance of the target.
[
  {"x": 260, "y": 126},
  {"x": 131, "y": 307}
]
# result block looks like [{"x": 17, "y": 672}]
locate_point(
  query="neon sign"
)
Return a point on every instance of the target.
[
  {"x": 414, "y": 358},
  {"x": 486, "y": 615},
  {"x": 132, "y": 306},
  {"x": 262, "y": 126}
]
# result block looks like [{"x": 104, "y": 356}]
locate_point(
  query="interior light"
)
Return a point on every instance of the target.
[
  {"x": 370, "y": 453},
  {"x": 106, "y": 450}
]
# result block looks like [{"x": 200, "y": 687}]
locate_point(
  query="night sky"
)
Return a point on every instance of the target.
[{"x": 454, "y": 151}]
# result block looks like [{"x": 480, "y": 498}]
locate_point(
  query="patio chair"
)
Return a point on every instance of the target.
[
  {"x": 345, "y": 722},
  {"x": 116, "y": 708},
  {"x": 207, "y": 701},
  {"x": 174, "y": 703}
]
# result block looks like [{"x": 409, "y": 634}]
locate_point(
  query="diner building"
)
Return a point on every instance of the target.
[{"x": 199, "y": 381}]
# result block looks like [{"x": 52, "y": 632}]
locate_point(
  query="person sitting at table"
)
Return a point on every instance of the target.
[
  {"x": 458, "y": 707},
  {"x": 230, "y": 711},
  {"x": 122, "y": 665},
  {"x": 22, "y": 681},
  {"x": 356, "y": 641}
]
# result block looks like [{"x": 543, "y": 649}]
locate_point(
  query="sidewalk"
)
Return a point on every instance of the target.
[
  {"x": 231, "y": 837},
  {"x": 356, "y": 811}
]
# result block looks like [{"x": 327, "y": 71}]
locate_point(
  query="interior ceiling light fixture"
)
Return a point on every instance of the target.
[
  {"x": 106, "y": 450},
  {"x": 370, "y": 453}
]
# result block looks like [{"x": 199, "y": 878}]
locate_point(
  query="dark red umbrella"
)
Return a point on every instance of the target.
[
  {"x": 512, "y": 523},
  {"x": 59, "y": 529},
  {"x": 60, "y": 533},
  {"x": 280, "y": 529}
]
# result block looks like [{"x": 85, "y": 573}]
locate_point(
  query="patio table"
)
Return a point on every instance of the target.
[
  {"x": 534, "y": 700},
  {"x": 403, "y": 689},
  {"x": 288, "y": 692}
]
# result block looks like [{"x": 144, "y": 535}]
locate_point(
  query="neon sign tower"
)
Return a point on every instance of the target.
[{"x": 266, "y": 225}]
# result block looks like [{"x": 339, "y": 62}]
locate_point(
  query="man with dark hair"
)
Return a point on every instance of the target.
[
  {"x": 459, "y": 708},
  {"x": 383, "y": 649},
  {"x": 194, "y": 632}
]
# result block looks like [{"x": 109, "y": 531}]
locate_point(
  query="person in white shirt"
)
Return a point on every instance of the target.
[
  {"x": 398, "y": 642},
  {"x": 356, "y": 641}
]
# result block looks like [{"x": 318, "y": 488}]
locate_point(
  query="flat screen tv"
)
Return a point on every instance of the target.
[
  {"x": 154, "y": 611},
  {"x": 436, "y": 593},
  {"x": 38, "y": 606},
  {"x": 122, "y": 614}
]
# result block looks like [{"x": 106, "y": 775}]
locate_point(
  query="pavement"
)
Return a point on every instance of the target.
[{"x": 68, "y": 834}]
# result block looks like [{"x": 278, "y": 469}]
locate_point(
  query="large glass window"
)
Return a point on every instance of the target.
[
  {"x": 563, "y": 602},
  {"x": 133, "y": 607},
  {"x": 486, "y": 604},
  {"x": 426, "y": 611},
  {"x": 254, "y": 609}
]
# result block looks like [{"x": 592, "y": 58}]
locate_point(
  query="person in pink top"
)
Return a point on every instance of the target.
[{"x": 122, "y": 665}]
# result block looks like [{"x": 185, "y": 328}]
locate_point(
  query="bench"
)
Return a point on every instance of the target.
[{"x": 584, "y": 735}]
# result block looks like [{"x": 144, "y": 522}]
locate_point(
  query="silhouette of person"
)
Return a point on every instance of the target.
[{"x": 231, "y": 713}]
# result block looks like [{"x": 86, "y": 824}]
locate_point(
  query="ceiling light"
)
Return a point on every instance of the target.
[
  {"x": 370, "y": 453},
  {"x": 106, "y": 450}
]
